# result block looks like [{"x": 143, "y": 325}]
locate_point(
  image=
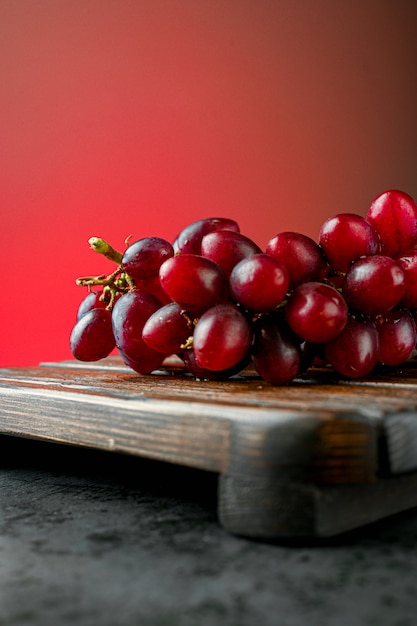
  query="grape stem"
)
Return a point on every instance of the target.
[
  {"x": 114, "y": 283},
  {"x": 102, "y": 247},
  {"x": 102, "y": 280},
  {"x": 188, "y": 344}
]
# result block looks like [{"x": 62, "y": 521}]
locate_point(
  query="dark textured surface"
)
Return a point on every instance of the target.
[{"x": 91, "y": 539}]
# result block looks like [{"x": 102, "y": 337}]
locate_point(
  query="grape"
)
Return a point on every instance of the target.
[
  {"x": 397, "y": 336},
  {"x": 259, "y": 283},
  {"x": 129, "y": 316},
  {"x": 219, "y": 302},
  {"x": 316, "y": 312},
  {"x": 227, "y": 248},
  {"x": 143, "y": 258},
  {"x": 202, "y": 373},
  {"x": 222, "y": 337},
  {"x": 393, "y": 214},
  {"x": 354, "y": 353},
  {"x": 167, "y": 329},
  {"x": 301, "y": 256},
  {"x": 408, "y": 263},
  {"x": 346, "y": 237},
  {"x": 374, "y": 284},
  {"x": 92, "y": 301},
  {"x": 146, "y": 359},
  {"x": 275, "y": 354},
  {"x": 92, "y": 336},
  {"x": 189, "y": 239},
  {"x": 153, "y": 286},
  {"x": 194, "y": 282}
]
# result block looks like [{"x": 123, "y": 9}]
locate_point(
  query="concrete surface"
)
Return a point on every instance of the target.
[{"x": 94, "y": 539}]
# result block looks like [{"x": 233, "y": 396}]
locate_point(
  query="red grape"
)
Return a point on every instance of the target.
[
  {"x": 408, "y": 263},
  {"x": 301, "y": 256},
  {"x": 153, "y": 286},
  {"x": 146, "y": 360},
  {"x": 354, "y": 353},
  {"x": 374, "y": 284},
  {"x": 275, "y": 353},
  {"x": 259, "y": 283},
  {"x": 143, "y": 258},
  {"x": 397, "y": 336},
  {"x": 218, "y": 301},
  {"x": 92, "y": 301},
  {"x": 316, "y": 312},
  {"x": 189, "y": 239},
  {"x": 346, "y": 237},
  {"x": 167, "y": 329},
  {"x": 92, "y": 336},
  {"x": 222, "y": 337},
  {"x": 194, "y": 282},
  {"x": 203, "y": 373},
  {"x": 393, "y": 214},
  {"x": 227, "y": 248},
  {"x": 129, "y": 316}
]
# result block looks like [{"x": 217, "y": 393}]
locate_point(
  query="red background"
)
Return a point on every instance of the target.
[{"x": 123, "y": 117}]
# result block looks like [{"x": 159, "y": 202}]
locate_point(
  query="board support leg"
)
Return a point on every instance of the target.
[
  {"x": 263, "y": 507},
  {"x": 266, "y": 508}
]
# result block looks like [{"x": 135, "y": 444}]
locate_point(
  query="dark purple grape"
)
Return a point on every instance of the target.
[
  {"x": 275, "y": 352},
  {"x": 227, "y": 248},
  {"x": 354, "y": 353},
  {"x": 301, "y": 256},
  {"x": 92, "y": 301},
  {"x": 146, "y": 360},
  {"x": 259, "y": 283},
  {"x": 194, "y": 282},
  {"x": 92, "y": 336},
  {"x": 316, "y": 312},
  {"x": 222, "y": 337},
  {"x": 397, "y": 336},
  {"x": 393, "y": 214},
  {"x": 189, "y": 239},
  {"x": 129, "y": 316},
  {"x": 345, "y": 238},
  {"x": 167, "y": 329},
  {"x": 143, "y": 258},
  {"x": 374, "y": 284}
]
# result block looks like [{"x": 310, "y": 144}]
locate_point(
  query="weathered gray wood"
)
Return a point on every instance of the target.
[{"x": 267, "y": 508}]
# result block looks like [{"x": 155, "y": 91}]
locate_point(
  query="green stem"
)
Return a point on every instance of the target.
[{"x": 102, "y": 247}]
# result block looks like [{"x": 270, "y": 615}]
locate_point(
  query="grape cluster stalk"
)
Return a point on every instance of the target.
[{"x": 219, "y": 302}]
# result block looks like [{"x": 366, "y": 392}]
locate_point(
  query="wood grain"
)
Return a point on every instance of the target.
[{"x": 282, "y": 453}]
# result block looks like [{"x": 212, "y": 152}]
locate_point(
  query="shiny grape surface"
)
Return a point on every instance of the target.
[
  {"x": 345, "y": 238},
  {"x": 92, "y": 337},
  {"x": 227, "y": 248},
  {"x": 92, "y": 301},
  {"x": 193, "y": 282},
  {"x": 144, "y": 257},
  {"x": 301, "y": 255},
  {"x": 374, "y": 284},
  {"x": 259, "y": 283},
  {"x": 393, "y": 214},
  {"x": 220, "y": 302},
  {"x": 316, "y": 312},
  {"x": 222, "y": 337}
]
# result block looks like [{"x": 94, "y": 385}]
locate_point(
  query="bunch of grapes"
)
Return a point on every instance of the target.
[{"x": 219, "y": 302}]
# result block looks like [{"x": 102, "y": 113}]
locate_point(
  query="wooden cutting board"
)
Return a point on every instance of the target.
[{"x": 312, "y": 459}]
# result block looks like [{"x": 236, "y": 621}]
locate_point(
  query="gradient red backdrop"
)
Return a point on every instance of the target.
[{"x": 123, "y": 117}]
